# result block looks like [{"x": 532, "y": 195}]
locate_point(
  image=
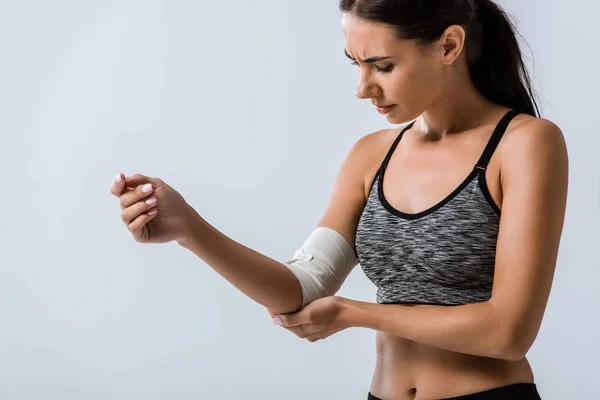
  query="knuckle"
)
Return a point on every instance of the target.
[{"x": 132, "y": 227}]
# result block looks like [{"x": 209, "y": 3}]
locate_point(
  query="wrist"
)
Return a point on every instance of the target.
[
  {"x": 356, "y": 314},
  {"x": 347, "y": 312},
  {"x": 193, "y": 228}
]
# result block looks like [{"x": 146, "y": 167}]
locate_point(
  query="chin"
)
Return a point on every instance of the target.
[{"x": 399, "y": 117}]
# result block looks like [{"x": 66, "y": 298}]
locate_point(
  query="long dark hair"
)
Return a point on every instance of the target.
[{"x": 493, "y": 54}]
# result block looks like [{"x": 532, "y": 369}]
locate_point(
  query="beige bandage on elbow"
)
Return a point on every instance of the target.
[{"x": 322, "y": 264}]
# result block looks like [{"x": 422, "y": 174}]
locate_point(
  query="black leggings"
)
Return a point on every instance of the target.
[{"x": 517, "y": 391}]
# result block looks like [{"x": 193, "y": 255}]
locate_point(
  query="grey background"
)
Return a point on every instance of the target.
[{"x": 225, "y": 101}]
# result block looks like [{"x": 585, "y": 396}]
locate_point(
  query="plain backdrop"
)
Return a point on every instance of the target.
[{"x": 248, "y": 109}]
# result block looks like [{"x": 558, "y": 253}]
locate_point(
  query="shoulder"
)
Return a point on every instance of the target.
[
  {"x": 527, "y": 128},
  {"x": 370, "y": 150},
  {"x": 375, "y": 145},
  {"x": 530, "y": 134},
  {"x": 531, "y": 144},
  {"x": 376, "y": 141}
]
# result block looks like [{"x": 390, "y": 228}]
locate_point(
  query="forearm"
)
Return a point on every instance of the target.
[
  {"x": 475, "y": 329},
  {"x": 261, "y": 278}
]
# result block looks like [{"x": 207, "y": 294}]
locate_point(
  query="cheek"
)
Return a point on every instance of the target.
[
  {"x": 417, "y": 87},
  {"x": 414, "y": 90}
]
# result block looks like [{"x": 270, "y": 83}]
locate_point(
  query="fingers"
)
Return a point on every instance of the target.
[
  {"x": 320, "y": 336},
  {"x": 138, "y": 223},
  {"x": 310, "y": 333},
  {"x": 330, "y": 333},
  {"x": 137, "y": 203},
  {"x": 139, "y": 179},
  {"x": 302, "y": 331},
  {"x": 117, "y": 186},
  {"x": 305, "y": 332},
  {"x": 122, "y": 184},
  {"x": 129, "y": 214},
  {"x": 133, "y": 196}
]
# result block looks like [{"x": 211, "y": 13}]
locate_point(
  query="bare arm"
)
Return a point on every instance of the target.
[
  {"x": 261, "y": 278},
  {"x": 264, "y": 279}
]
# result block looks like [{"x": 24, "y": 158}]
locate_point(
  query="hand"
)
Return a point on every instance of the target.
[
  {"x": 318, "y": 320},
  {"x": 168, "y": 217}
]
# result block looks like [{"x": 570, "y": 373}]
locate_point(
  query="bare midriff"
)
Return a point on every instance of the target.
[{"x": 407, "y": 370}]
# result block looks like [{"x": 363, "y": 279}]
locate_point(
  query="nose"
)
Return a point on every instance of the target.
[{"x": 366, "y": 89}]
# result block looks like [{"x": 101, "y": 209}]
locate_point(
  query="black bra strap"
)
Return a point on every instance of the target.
[
  {"x": 495, "y": 139},
  {"x": 487, "y": 152},
  {"x": 386, "y": 160}
]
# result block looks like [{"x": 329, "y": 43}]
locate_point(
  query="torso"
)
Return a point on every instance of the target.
[
  {"x": 418, "y": 176},
  {"x": 411, "y": 370}
]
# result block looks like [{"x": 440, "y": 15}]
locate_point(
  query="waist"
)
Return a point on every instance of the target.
[{"x": 409, "y": 370}]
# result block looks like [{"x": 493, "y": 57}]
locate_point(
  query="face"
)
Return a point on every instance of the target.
[{"x": 410, "y": 77}]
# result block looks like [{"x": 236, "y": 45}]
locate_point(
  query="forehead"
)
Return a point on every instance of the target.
[{"x": 366, "y": 38}]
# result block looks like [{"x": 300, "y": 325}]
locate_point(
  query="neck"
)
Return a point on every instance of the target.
[{"x": 459, "y": 107}]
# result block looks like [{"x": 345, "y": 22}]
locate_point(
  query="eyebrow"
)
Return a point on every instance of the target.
[{"x": 368, "y": 60}]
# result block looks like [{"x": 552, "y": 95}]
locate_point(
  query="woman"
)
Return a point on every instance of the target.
[{"x": 462, "y": 238}]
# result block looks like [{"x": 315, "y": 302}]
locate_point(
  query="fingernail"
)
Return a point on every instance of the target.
[
  {"x": 151, "y": 200},
  {"x": 147, "y": 188},
  {"x": 118, "y": 178},
  {"x": 153, "y": 211},
  {"x": 277, "y": 321}
]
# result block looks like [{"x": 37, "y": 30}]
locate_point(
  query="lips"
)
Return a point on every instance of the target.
[{"x": 385, "y": 109}]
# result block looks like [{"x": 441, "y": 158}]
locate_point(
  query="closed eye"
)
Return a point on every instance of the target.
[{"x": 387, "y": 68}]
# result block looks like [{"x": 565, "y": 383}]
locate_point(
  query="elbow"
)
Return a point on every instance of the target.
[
  {"x": 513, "y": 347},
  {"x": 284, "y": 309},
  {"x": 510, "y": 340},
  {"x": 513, "y": 353},
  {"x": 291, "y": 305}
]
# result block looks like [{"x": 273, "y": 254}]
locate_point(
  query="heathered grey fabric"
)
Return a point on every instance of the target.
[{"x": 444, "y": 255}]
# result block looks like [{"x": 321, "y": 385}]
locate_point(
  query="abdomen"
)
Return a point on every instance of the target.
[{"x": 409, "y": 370}]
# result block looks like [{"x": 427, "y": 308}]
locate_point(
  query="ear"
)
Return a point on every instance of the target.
[{"x": 452, "y": 43}]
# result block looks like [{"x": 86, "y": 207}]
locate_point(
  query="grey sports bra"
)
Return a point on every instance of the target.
[{"x": 444, "y": 255}]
